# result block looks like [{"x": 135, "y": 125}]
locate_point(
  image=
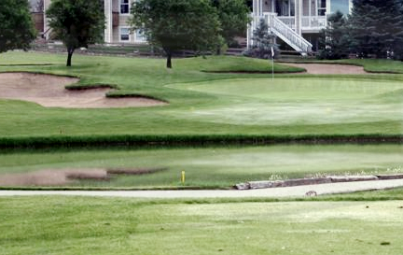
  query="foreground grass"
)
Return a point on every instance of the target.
[
  {"x": 209, "y": 167},
  {"x": 61, "y": 225},
  {"x": 207, "y": 104}
]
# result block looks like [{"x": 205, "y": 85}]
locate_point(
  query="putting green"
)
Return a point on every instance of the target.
[{"x": 287, "y": 101}]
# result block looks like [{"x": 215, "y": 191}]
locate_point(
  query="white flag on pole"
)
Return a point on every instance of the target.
[{"x": 272, "y": 52}]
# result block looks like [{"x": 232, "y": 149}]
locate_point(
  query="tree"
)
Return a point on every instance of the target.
[
  {"x": 16, "y": 26},
  {"x": 177, "y": 24},
  {"x": 234, "y": 16},
  {"x": 376, "y": 26},
  {"x": 77, "y": 23},
  {"x": 264, "y": 43},
  {"x": 334, "y": 41}
]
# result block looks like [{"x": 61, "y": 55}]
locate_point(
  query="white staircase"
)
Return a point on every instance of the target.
[{"x": 283, "y": 31}]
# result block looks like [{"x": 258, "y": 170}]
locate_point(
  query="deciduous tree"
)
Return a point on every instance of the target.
[
  {"x": 234, "y": 16},
  {"x": 177, "y": 24},
  {"x": 77, "y": 23},
  {"x": 16, "y": 26}
]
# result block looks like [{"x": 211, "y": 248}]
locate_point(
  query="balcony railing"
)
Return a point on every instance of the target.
[
  {"x": 313, "y": 22},
  {"x": 289, "y": 21},
  {"x": 307, "y": 22}
]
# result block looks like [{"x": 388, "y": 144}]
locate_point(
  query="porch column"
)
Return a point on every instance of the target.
[
  {"x": 108, "y": 32},
  {"x": 46, "y": 4},
  {"x": 298, "y": 16},
  {"x": 258, "y": 7},
  {"x": 328, "y": 9},
  {"x": 350, "y": 6}
]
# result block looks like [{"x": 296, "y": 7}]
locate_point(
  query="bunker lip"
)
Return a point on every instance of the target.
[{"x": 50, "y": 91}]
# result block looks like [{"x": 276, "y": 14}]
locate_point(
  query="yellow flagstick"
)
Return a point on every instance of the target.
[{"x": 183, "y": 177}]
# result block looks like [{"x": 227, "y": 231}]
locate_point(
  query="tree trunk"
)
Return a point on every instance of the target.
[
  {"x": 70, "y": 52},
  {"x": 218, "y": 51},
  {"x": 169, "y": 60}
]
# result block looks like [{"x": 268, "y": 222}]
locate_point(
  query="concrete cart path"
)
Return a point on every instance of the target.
[{"x": 299, "y": 191}]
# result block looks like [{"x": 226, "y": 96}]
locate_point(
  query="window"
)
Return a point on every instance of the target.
[
  {"x": 124, "y": 34},
  {"x": 140, "y": 37},
  {"x": 124, "y": 6},
  {"x": 321, "y": 7}
]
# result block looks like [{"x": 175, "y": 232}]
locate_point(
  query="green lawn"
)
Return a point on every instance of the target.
[
  {"x": 208, "y": 104},
  {"x": 210, "y": 167},
  {"x": 61, "y": 225}
]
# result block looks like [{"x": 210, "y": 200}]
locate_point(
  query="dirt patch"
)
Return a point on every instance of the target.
[
  {"x": 330, "y": 68},
  {"x": 68, "y": 176},
  {"x": 49, "y": 91},
  {"x": 50, "y": 177}
]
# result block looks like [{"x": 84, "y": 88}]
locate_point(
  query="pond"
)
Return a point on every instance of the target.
[{"x": 208, "y": 167}]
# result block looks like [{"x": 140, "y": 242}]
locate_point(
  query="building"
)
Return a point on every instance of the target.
[
  {"x": 296, "y": 22},
  {"x": 117, "y": 13}
]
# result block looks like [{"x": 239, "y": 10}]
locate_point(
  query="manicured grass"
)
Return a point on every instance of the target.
[
  {"x": 205, "y": 103},
  {"x": 61, "y": 225},
  {"x": 210, "y": 167}
]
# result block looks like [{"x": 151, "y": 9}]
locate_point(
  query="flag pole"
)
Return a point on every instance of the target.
[{"x": 272, "y": 62}]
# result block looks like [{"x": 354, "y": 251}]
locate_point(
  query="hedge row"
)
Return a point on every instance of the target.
[{"x": 192, "y": 140}]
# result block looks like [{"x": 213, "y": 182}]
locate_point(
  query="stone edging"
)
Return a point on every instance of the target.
[{"x": 314, "y": 181}]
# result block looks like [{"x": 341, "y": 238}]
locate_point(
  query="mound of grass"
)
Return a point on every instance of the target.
[{"x": 226, "y": 64}]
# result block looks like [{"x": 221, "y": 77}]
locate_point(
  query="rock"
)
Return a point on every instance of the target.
[
  {"x": 306, "y": 181},
  {"x": 242, "y": 186},
  {"x": 390, "y": 176},
  {"x": 266, "y": 184},
  {"x": 353, "y": 178}
]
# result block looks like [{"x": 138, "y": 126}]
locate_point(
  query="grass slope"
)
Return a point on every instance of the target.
[{"x": 61, "y": 225}]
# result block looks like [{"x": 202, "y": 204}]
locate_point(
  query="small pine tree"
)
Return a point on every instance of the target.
[{"x": 263, "y": 43}]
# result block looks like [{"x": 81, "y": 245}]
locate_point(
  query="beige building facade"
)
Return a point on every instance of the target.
[{"x": 117, "y": 13}]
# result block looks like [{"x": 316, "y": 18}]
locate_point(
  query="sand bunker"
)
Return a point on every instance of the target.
[
  {"x": 330, "y": 69},
  {"x": 49, "y": 91}
]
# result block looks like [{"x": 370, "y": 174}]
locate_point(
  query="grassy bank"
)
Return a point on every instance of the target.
[{"x": 61, "y": 225}]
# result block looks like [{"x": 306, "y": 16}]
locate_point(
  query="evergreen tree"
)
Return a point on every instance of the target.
[
  {"x": 376, "y": 27},
  {"x": 334, "y": 41},
  {"x": 263, "y": 43}
]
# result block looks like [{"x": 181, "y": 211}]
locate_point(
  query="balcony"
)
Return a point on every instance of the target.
[
  {"x": 308, "y": 23},
  {"x": 313, "y": 23}
]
